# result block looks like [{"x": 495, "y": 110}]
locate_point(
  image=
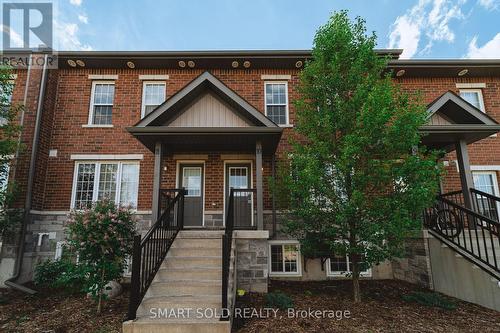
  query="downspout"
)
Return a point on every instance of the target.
[{"x": 31, "y": 175}]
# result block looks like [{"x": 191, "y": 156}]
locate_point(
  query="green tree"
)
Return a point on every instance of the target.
[
  {"x": 357, "y": 179},
  {"x": 9, "y": 144},
  {"x": 102, "y": 237}
]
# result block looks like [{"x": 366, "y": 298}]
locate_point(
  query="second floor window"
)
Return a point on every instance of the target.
[
  {"x": 474, "y": 97},
  {"x": 153, "y": 94},
  {"x": 101, "y": 104},
  {"x": 277, "y": 102}
]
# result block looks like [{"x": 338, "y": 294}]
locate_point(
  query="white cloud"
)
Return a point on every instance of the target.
[
  {"x": 489, "y": 4},
  {"x": 428, "y": 17},
  {"x": 83, "y": 18},
  {"x": 15, "y": 38},
  {"x": 490, "y": 50},
  {"x": 66, "y": 37},
  {"x": 76, "y": 2}
]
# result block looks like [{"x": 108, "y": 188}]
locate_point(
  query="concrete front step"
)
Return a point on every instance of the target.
[
  {"x": 171, "y": 326},
  {"x": 209, "y": 243},
  {"x": 205, "y": 234},
  {"x": 185, "y": 287},
  {"x": 192, "y": 262},
  {"x": 194, "y": 252},
  {"x": 150, "y": 305},
  {"x": 204, "y": 273}
]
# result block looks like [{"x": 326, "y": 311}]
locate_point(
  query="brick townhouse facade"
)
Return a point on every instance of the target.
[{"x": 126, "y": 125}]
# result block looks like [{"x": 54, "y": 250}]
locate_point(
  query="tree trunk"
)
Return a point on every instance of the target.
[
  {"x": 99, "y": 302},
  {"x": 356, "y": 292}
]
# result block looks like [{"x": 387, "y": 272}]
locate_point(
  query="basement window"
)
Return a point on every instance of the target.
[
  {"x": 285, "y": 259},
  {"x": 340, "y": 266},
  {"x": 474, "y": 97},
  {"x": 101, "y": 103},
  {"x": 115, "y": 181}
]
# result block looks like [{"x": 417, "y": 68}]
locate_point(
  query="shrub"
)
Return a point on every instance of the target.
[
  {"x": 430, "y": 299},
  {"x": 103, "y": 238},
  {"x": 60, "y": 274},
  {"x": 279, "y": 300}
]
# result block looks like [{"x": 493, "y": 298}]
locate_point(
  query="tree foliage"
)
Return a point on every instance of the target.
[
  {"x": 102, "y": 237},
  {"x": 9, "y": 144},
  {"x": 357, "y": 178}
]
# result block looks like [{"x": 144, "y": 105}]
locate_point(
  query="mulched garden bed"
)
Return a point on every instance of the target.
[
  {"x": 59, "y": 312},
  {"x": 383, "y": 309}
]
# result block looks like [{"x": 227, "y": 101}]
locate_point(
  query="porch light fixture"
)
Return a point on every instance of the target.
[
  {"x": 299, "y": 64},
  {"x": 235, "y": 64},
  {"x": 246, "y": 64},
  {"x": 463, "y": 72},
  {"x": 400, "y": 73},
  {"x": 80, "y": 63},
  {"x": 130, "y": 65},
  {"x": 72, "y": 63},
  {"x": 190, "y": 64},
  {"x": 182, "y": 64}
]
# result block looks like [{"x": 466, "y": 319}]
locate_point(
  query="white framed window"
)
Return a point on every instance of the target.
[
  {"x": 191, "y": 180},
  {"x": 486, "y": 181},
  {"x": 4, "y": 176},
  {"x": 284, "y": 258},
  {"x": 101, "y": 103},
  {"x": 474, "y": 97},
  {"x": 8, "y": 101},
  {"x": 153, "y": 94},
  {"x": 276, "y": 101},
  {"x": 116, "y": 181},
  {"x": 340, "y": 266}
]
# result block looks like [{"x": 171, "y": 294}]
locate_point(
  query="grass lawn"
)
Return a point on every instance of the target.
[{"x": 383, "y": 309}]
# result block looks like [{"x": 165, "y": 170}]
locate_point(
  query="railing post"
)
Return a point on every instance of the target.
[
  {"x": 225, "y": 270},
  {"x": 135, "y": 281}
]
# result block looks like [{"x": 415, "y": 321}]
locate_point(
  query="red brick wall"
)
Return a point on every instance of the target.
[{"x": 66, "y": 109}]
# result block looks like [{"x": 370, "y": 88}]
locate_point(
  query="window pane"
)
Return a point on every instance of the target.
[
  {"x": 276, "y": 258},
  {"x": 107, "y": 182},
  {"x": 84, "y": 186},
  {"x": 191, "y": 181},
  {"x": 129, "y": 185},
  {"x": 484, "y": 182},
  {"x": 277, "y": 114},
  {"x": 238, "y": 177},
  {"x": 104, "y": 93},
  {"x": 338, "y": 264},
  {"x": 102, "y": 115},
  {"x": 472, "y": 97},
  {"x": 149, "y": 108},
  {"x": 290, "y": 256},
  {"x": 154, "y": 93}
]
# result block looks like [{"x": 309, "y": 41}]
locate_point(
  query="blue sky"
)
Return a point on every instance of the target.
[{"x": 424, "y": 28}]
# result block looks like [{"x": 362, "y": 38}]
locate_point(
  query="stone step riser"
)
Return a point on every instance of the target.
[
  {"x": 151, "y": 308},
  {"x": 152, "y": 327},
  {"x": 176, "y": 262},
  {"x": 194, "y": 252},
  {"x": 170, "y": 289},
  {"x": 166, "y": 274}
]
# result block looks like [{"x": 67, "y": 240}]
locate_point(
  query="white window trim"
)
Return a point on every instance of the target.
[
  {"x": 330, "y": 273},
  {"x": 95, "y": 190},
  {"x": 287, "y": 124},
  {"x": 494, "y": 178},
  {"x": 480, "y": 96},
  {"x": 91, "y": 108},
  {"x": 144, "y": 84},
  {"x": 299, "y": 258}
]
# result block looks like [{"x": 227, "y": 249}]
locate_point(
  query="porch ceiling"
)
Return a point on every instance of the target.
[
  {"x": 189, "y": 139},
  {"x": 452, "y": 119}
]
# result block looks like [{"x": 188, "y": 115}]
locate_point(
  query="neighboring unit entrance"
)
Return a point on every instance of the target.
[
  {"x": 238, "y": 176},
  {"x": 191, "y": 178}
]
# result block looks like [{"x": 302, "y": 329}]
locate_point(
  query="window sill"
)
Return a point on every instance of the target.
[
  {"x": 276, "y": 274},
  {"x": 96, "y": 126},
  {"x": 286, "y": 126}
]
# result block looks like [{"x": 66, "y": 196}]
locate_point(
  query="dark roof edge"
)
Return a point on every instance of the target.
[{"x": 443, "y": 62}]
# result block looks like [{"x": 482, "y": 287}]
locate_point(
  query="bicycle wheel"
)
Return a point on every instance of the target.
[{"x": 448, "y": 223}]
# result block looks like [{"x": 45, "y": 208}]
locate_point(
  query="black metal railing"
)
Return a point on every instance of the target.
[
  {"x": 485, "y": 204},
  {"x": 149, "y": 253},
  {"x": 455, "y": 196},
  {"x": 469, "y": 231}
]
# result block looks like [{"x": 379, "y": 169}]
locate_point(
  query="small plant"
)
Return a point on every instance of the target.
[
  {"x": 430, "y": 299},
  {"x": 279, "y": 300},
  {"x": 60, "y": 274},
  {"x": 103, "y": 238},
  {"x": 308, "y": 293}
]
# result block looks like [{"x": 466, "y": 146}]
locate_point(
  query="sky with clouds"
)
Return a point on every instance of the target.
[{"x": 423, "y": 28}]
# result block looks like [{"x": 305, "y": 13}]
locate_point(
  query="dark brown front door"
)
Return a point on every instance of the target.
[
  {"x": 191, "y": 179},
  {"x": 238, "y": 177}
]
